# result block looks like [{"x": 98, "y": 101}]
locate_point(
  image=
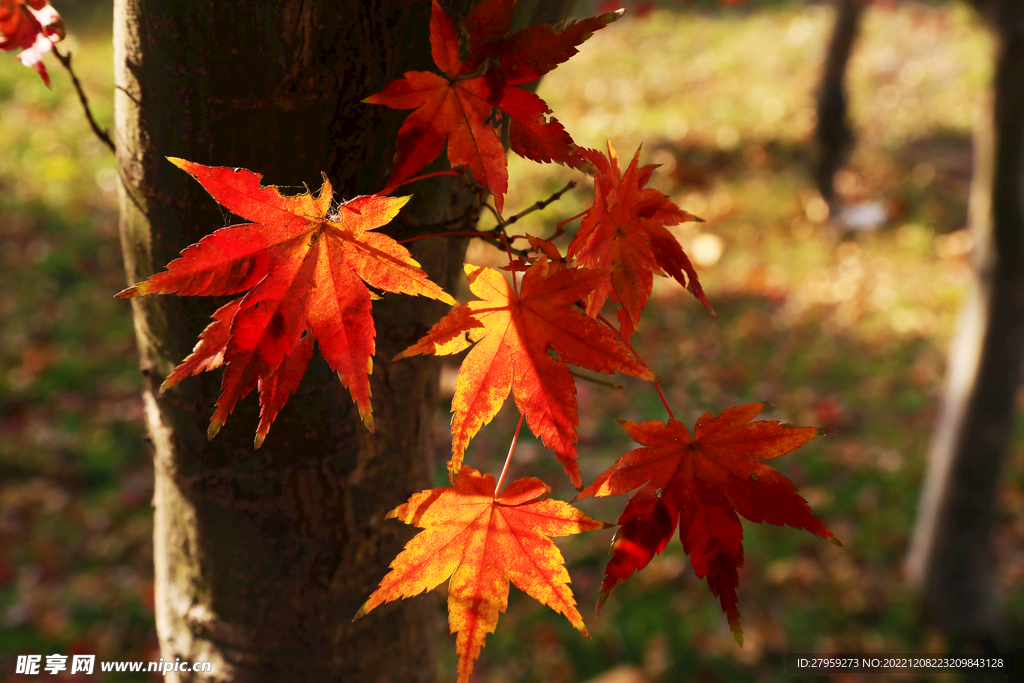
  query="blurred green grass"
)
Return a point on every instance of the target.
[
  {"x": 846, "y": 329},
  {"x": 75, "y": 477}
]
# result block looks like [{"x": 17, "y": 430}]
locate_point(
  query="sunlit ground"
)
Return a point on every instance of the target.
[{"x": 835, "y": 327}]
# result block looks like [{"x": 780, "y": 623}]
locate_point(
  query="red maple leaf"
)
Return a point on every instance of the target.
[
  {"x": 482, "y": 542},
  {"x": 304, "y": 265},
  {"x": 513, "y": 333},
  {"x": 457, "y": 107},
  {"x": 701, "y": 485},
  {"x": 280, "y": 383},
  {"x": 32, "y": 26},
  {"x": 625, "y": 229}
]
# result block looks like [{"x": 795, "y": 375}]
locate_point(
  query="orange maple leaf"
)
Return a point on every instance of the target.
[
  {"x": 304, "y": 265},
  {"x": 625, "y": 228},
  {"x": 700, "y": 485},
  {"x": 482, "y": 542},
  {"x": 513, "y": 334},
  {"x": 456, "y": 108},
  {"x": 32, "y": 26}
]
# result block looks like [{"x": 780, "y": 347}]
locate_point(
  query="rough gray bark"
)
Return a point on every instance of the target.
[
  {"x": 951, "y": 555},
  {"x": 263, "y": 557}
]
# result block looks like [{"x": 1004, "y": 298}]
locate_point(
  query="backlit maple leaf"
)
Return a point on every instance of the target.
[
  {"x": 482, "y": 543},
  {"x": 701, "y": 485},
  {"x": 513, "y": 334},
  {"x": 625, "y": 228},
  {"x": 304, "y": 265},
  {"x": 456, "y": 107},
  {"x": 32, "y": 26},
  {"x": 275, "y": 388}
]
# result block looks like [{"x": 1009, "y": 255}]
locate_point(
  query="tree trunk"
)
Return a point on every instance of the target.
[
  {"x": 263, "y": 557},
  {"x": 951, "y": 554},
  {"x": 833, "y": 132}
]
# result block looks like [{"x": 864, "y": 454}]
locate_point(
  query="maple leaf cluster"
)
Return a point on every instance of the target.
[
  {"x": 32, "y": 26},
  {"x": 457, "y": 107},
  {"x": 307, "y": 266}
]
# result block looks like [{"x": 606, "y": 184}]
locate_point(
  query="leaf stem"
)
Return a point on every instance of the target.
[
  {"x": 558, "y": 228},
  {"x": 511, "y": 262},
  {"x": 391, "y": 188},
  {"x": 508, "y": 458},
  {"x": 664, "y": 402},
  {"x": 104, "y": 137},
  {"x": 636, "y": 355}
]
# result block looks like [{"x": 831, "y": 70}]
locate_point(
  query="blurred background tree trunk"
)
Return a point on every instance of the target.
[
  {"x": 834, "y": 134},
  {"x": 952, "y": 554},
  {"x": 263, "y": 557}
]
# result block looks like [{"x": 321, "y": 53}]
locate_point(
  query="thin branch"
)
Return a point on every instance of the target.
[
  {"x": 497, "y": 216},
  {"x": 391, "y": 188},
  {"x": 541, "y": 204},
  {"x": 436, "y": 228},
  {"x": 100, "y": 133}
]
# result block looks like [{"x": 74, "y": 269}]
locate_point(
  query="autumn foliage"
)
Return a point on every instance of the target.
[
  {"x": 482, "y": 540},
  {"x": 513, "y": 332},
  {"x": 305, "y": 265},
  {"x": 700, "y": 484},
  {"x": 310, "y": 270},
  {"x": 457, "y": 107}
]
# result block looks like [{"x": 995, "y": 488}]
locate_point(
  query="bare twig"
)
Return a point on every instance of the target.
[
  {"x": 497, "y": 216},
  {"x": 65, "y": 60},
  {"x": 541, "y": 204}
]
